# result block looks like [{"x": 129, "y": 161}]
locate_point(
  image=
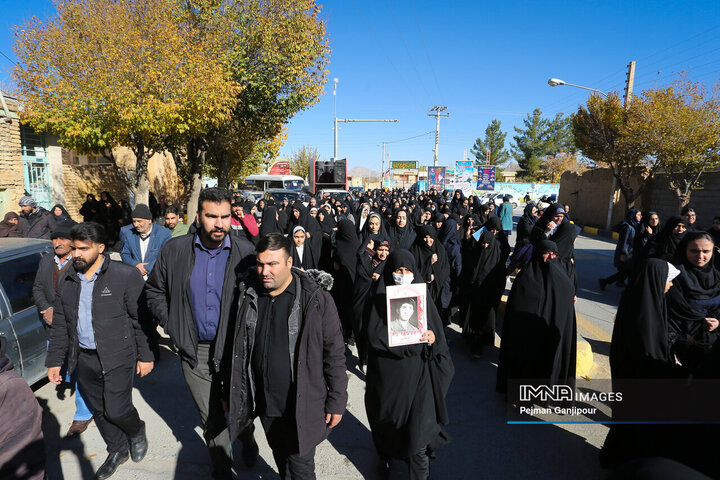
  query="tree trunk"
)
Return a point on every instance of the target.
[
  {"x": 196, "y": 162},
  {"x": 141, "y": 184},
  {"x": 683, "y": 199},
  {"x": 223, "y": 169}
]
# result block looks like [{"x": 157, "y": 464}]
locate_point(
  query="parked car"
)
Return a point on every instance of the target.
[
  {"x": 280, "y": 194},
  {"x": 498, "y": 197},
  {"x": 334, "y": 193},
  {"x": 20, "y": 321}
]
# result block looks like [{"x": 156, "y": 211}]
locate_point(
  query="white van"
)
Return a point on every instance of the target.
[{"x": 262, "y": 183}]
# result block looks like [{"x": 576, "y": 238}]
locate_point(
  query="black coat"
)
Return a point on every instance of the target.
[
  {"x": 318, "y": 360},
  {"x": 405, "y": 386},
  {"x": 168, "y": 293},
  {"x": 539, "y": 339},
  {"x": 119, "y": 335}
]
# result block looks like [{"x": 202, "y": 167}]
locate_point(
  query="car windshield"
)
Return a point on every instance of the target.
[
  {"x": 296, "y": 185},
  {"x": 280, "y": 196}
]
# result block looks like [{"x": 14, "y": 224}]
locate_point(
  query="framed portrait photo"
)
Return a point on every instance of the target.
[{"x": 406, "y": 313}]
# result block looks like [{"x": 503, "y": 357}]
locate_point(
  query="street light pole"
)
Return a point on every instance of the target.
[
  {"x": 554, "y": 82},
  {"x": 335, "y": 125}
]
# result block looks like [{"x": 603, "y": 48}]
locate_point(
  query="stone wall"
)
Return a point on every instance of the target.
[{"x": 12, "y": 184}]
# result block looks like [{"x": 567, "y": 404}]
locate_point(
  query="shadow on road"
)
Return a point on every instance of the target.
[
  {"x": 485, "y": 447},
  {"x": 57, "y": 446}
]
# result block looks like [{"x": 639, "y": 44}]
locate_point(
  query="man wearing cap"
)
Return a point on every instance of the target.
[
  {"x": 141, "y": 242},
  {"x": 52, "y": 268},
  {"x": 35, "y": 221}
]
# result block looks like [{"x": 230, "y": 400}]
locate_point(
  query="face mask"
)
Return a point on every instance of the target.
[{"x": 403, "y": 278}]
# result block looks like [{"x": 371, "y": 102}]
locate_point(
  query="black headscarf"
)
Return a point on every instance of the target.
[
  {"x": 406, "y": 385},
  {"x": 346, "y": 246},
  {"x": 423, "y": 256},
  {"x": 664, "y": 244},
  {"x": 401, "y": 237},
  {"x": 539, "y": 339},
  {"x": 640, "y": 346},
  {"x": 64, "y": 215},
  {"x": 270, "y": 223},
  {"x": 7, "y": 229}
]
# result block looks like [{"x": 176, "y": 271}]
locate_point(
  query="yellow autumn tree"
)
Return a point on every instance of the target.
[{"x": 133, "y": 73}]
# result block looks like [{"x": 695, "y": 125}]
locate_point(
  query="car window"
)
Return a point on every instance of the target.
[{"x": 17, "y": 280}]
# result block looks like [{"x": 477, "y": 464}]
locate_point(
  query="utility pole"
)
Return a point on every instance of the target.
[
  {"x": 382, "y": 171},
  {"x": 629, "y": 81},
  {"x": 437, "y": 109},
  {"x": 335, "y": 126}
]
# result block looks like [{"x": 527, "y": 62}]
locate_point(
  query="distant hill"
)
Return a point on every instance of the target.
[{"x": 363, "y": 172}]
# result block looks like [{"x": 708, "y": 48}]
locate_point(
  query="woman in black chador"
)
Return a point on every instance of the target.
[
  {"x": 432, "y": 259},
  {"x": 482, "y": 284},
  {"x": 406, "y": 386},
  {"x": 551, "y": 226},
  {"x": 664, "y": 244},
  {"x": 344, "y": 265},
  {"x": 539, "y": 339}
]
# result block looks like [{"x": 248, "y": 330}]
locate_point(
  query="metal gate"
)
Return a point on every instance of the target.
[{"x": 36, "y": 166}]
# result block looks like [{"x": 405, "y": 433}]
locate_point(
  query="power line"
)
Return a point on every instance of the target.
[
  {"x": 410, "y": 138},
  {"x": 10, "y": 59}
]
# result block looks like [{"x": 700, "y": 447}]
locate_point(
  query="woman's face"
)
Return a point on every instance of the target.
[
  {"x": 429, "y": 240},
  {"x": 299, "y": 238},
  {"x": 654, "y": 220},
  {"x": 296, "y": 214},
  {"x": 401, "y": 219},
  {"x": 638, "y": 216},
  {"x": 13, "y": 221},
  {"x": 699, "y": 252},
  {"x": 690, "y": 217},
  {"x": 558, "y": 218},
  {"x": 374, "y": 225},
  {"x": 679, "y": 228},
  {"x": 313, "y": 213},
  {"x": 533, "y": 212},
  {"x": 57, "y": 211},
  {"x": 103, "y": 197},
  {"x": 406, "y": 311}
]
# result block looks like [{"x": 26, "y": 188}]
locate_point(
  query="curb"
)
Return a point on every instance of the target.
[
  {"x": 601, "y": 232},
  {"x": 584, "y": 361}
]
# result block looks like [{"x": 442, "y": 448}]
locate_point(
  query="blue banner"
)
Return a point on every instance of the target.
[{"x": 486, "y": 178}]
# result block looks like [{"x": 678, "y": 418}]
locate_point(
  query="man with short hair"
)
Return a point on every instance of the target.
[
  {"x": 35, "y": 221},
  {"x": 173, "y": 223},
  {"x": 50, "y": 270},
  {"x": 288, "y": 363},
  {"x": 191, "y": 293},
  {"x": 141, "y": 242},
  {"x": 96, "y": 324}
]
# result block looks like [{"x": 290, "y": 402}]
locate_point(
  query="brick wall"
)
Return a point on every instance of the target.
[
  {"x": 12, "y": 185},
  {"x": 705, "y": 201}
]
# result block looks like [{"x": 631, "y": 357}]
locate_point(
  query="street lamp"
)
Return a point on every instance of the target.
[{"x": 554, "y": 82}]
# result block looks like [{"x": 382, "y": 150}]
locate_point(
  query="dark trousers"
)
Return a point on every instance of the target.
[
  {"x": 206, "y": 392},
  {"x": 419, "y": 465},
  {"x": 281, "y": 434},
  {"x": 110, "y": 395}
]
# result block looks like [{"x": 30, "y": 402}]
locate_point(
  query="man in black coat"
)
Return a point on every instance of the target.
[
  {"x": 288, "y": 359},
  {"x": 35, "y": 221},
  {"x": 52, "y": 267},
  {"x": 96, "y": 324},
  {"x": 191, "y": 292}
]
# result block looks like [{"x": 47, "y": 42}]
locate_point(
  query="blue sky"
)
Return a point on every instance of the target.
[{"x": 483, "y": 60}]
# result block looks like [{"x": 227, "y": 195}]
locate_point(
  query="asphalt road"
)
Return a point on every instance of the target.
[{"x": 484, "y": 446}]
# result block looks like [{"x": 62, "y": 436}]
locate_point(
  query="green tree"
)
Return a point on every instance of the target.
[
  {"x": 495, "y": 142},
  {"x": 531, "y": 143},
  {"x": 103, "y": 73},
  {"x": 301, "y": 160}
]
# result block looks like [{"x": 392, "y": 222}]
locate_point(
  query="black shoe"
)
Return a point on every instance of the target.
[
  {"x": 138, "y": 445},
  {"x": 250, "y": 453},
  {"x": 603, "y": 283},
  {"x": 112, "y": 462}
]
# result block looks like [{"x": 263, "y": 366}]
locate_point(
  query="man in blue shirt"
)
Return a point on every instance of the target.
[
  {"x": 192, "y": 294},
  {"x": 96, "y": 324}
]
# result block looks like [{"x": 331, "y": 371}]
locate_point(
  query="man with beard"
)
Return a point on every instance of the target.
[
  {"x": 191, "y": 294},
  {"x": 172, "y": 222},
  {"x": 35, "y": 221},
  {"x": 96, "y": 324},
  {"x": 50, "y": 270}
]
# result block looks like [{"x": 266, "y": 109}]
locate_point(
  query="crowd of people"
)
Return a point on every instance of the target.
[{"x": 248, "y": 285}]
